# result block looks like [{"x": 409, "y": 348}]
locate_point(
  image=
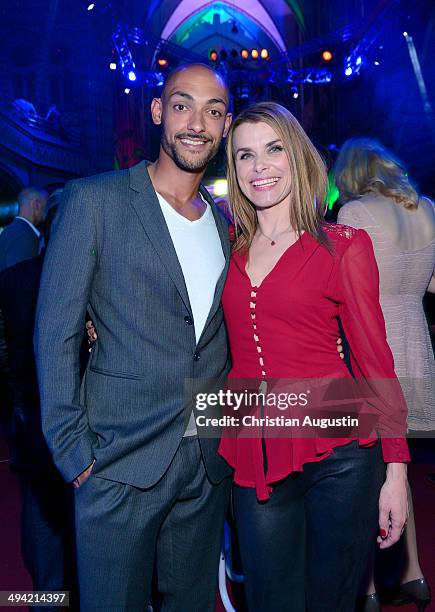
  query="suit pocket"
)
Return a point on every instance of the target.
[{"x": 115, "y": 374}]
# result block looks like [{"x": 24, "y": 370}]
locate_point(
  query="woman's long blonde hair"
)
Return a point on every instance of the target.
[
  {"x": 308, "y": 176},
  {"x": 365, "y": 166}
]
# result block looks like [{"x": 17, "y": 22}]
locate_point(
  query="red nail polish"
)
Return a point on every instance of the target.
[{"x": 383, "y": 533}]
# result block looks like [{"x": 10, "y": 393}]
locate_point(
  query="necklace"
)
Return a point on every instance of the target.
[{"x": 272, "y": 240}]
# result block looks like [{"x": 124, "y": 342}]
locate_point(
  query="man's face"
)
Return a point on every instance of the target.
[{"x": 194, "y": 118}]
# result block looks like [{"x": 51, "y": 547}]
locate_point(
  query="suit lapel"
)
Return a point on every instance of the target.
[{"x": 144, "y": 201}]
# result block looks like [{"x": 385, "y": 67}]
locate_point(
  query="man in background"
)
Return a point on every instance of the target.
[
  {"x": 20, "y": 240},
  {"x": 46, "y": 541}
]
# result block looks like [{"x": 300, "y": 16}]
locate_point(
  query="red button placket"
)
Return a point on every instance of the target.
[
  {"x": 253, "y": 305},
  {"x": 260, "y": 468}
]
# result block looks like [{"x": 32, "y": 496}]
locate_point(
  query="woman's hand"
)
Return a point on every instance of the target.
[
  {"x": 91, "y": 332},
  {"x": 393, "y": 505}
]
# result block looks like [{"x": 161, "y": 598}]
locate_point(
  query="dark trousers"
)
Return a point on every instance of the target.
[
  {"x": 305, "y": 549},
  {"x": 46, "y": 531},
  {"x": 177, "y": 525}
]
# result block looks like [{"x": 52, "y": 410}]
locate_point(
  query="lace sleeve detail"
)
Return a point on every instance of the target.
[{"x": 364, "y": 326}]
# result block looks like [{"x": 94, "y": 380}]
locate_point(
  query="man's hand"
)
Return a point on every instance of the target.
[
  {"x": 81, "y": 478},
  {"x": 339, "y": 348}
]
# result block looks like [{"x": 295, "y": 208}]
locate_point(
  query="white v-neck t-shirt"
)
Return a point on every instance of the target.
[{"x": 199, "y": 251}]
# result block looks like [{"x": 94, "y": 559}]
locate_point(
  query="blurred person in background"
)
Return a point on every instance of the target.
[
  {"x": 380, "y": 198},
  {"x": 46, "y": 543},
  {"x": 21, "y": 239}
]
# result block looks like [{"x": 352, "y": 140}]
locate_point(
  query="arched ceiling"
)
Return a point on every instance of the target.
[
  {"x": 220, "y": 26},
  {"x": 278, "y": 20},
  {"x": 252, "y": 9}
]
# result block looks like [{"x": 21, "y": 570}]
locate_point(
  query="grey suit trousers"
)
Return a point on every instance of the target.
[{"x": 177, "y": 524}]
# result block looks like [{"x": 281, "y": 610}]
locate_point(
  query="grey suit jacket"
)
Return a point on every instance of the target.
[
  {"x": 111, "y": 253},
  {"x": 17, "y": 242}
]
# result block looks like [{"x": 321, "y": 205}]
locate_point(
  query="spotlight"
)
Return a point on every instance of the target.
[
  {"x": 254, "y": 53},
  {"x": 91, "y": 6},
  {"x": 112, "y": 65},
  {"x": 327, "y": 55},
  {"x": 127, "y": 90},
  {"x": 220, "y": 188},
  {"x": 348, "y": 71},
  {"x": 213, "y": 56},
  {"x": 294, "y": 92},
  {"x": 162, "y": 62},
  {"x": 244, "y": 53},
  {"x": 132, "y": 75},
  {"x": 405, "y": 34},
  {"x": 264, "y": 53},
  {"x": 376, "y": 63},
  {"x": 358, "y": 60}
]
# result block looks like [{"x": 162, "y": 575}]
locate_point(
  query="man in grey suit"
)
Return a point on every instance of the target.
[
  {"x": 146, "y": 251},
  {"x": 20, "y": 239}
]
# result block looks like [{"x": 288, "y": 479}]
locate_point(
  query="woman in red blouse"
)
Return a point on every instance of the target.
[{"x": 306, "y": 508}]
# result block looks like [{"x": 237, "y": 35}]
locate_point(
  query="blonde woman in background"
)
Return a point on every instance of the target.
[{"x": 381, "y": 200}]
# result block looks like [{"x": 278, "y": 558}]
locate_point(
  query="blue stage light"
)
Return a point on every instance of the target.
[
  {"x": 348, "y": 71},
  {"x": 91, "y": 6},
  {"x": 125, "y": 59},
  {"x": 358, "y": 61}
]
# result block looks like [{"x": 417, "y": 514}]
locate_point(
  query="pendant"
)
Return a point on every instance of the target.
[{"x": 273, "y": 243}]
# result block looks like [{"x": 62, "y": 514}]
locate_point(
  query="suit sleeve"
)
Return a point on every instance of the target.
[
  {"x": 364, "y": 326},
  {"x": 66, "y": 280}
]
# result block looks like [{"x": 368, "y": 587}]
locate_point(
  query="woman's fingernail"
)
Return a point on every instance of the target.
[{"x": 383, "y": 533}]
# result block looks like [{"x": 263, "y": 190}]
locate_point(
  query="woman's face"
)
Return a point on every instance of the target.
[{"x": 262, "y": 166}]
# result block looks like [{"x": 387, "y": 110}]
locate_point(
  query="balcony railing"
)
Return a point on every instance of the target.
[
  {"x": 50, "y": 126},
  {"x": 40, "y": 142}
]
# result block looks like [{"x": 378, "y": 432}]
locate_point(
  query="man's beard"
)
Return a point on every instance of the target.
[{"x": 194, "y": 164}]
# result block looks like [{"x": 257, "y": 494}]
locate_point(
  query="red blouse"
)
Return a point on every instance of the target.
[{"x": 288, "y": 327}]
